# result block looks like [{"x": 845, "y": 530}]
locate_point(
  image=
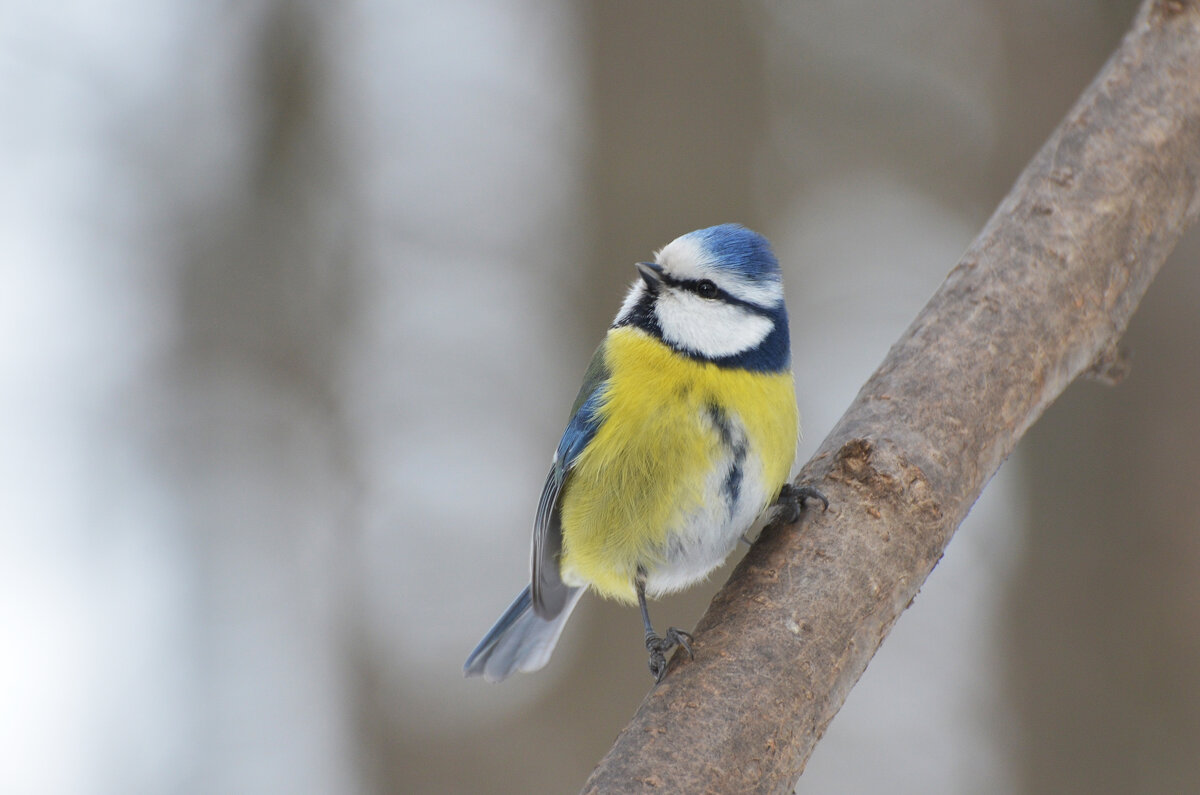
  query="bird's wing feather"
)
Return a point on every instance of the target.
[{"x": 550, "y": 593}]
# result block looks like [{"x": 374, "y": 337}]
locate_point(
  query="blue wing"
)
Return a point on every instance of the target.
[{"x": 549, "y": 592}]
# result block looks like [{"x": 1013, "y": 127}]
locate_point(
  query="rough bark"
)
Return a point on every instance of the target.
[{"x": 1042, "y": 296}]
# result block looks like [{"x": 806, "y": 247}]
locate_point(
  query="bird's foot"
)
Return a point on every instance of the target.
[
  {"x": 791, "y": 502},
  {"x": 659, "y": 647}
]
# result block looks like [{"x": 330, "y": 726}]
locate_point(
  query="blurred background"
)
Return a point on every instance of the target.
[{"x": 295, "y": 296}]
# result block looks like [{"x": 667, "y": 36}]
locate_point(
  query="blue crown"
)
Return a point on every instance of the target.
[{"x": 737, "y": 248}]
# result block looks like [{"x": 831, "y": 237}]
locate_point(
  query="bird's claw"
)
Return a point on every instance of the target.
[
  {"x": 791, "y": 501},
  {"x": 659, "y": 647}
]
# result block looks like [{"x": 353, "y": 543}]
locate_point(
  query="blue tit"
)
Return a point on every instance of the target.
[{"x": 683, "y": 433}]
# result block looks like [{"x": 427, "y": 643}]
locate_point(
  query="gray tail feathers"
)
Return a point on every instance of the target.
[{"x": 520, "y": 641}]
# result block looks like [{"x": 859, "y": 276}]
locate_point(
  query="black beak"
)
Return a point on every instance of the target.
[{"x": 651, "y": 273}]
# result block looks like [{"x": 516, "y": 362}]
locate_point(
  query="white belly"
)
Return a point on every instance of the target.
[{"x": 734, "y": 496}]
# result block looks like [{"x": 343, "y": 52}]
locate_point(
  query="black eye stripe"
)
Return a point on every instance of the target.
[
  {"x": 706, "y": 288},
  {"x": 693, "y": 286}
]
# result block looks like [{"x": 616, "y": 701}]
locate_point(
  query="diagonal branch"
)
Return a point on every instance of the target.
[{"x": 1041, "y": 297}]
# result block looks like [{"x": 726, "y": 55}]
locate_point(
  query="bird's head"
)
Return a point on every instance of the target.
[{"x": 715, "y": 294}]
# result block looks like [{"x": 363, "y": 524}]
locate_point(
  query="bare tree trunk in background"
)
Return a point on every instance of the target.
[
  {"x": 706, "y": 77},
  {"x": 1101, "y": 632},
  {"x": 258, "y": 443},
  {"x": 1105, "y": 614},
  {"x": 1042, "y": 296}
]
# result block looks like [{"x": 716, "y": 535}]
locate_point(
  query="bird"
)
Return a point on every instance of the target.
[{"x": 683, "y": 433}]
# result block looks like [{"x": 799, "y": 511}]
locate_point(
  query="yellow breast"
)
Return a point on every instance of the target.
[{"x": 649, "y": 463}]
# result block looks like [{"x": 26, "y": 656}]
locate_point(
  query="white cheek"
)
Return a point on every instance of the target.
[{"x": 709, "y": 328}]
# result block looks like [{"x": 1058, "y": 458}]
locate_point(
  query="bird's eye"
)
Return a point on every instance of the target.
[{"x": 706, "y": 289}]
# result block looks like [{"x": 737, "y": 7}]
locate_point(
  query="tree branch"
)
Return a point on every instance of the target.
[{"x": 1042, "y": 296}]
